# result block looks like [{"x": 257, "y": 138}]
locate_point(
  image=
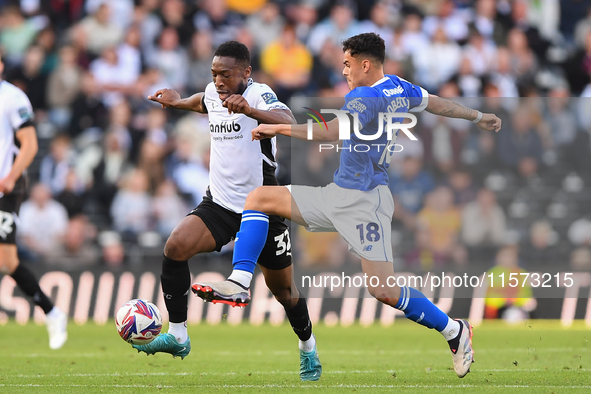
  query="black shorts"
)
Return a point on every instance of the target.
[
  {"x": 224, "y": 224},
  {"x": 10, "y": 205}
]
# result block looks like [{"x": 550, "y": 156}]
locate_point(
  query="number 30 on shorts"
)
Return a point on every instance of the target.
[
  {"x": 283, "y": 244},
  {"x": 370, "y": 231}
]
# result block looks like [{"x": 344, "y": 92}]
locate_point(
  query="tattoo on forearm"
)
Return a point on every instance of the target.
[{"x": 452, "y": 109}]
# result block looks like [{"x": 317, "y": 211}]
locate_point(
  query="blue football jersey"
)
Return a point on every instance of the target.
[{"x": 363, "y": 164}]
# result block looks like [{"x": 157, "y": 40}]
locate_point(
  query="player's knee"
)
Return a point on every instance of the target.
[
  {"x": 176, "y": 248},
  {"x": 285, "y": 298},
  {"x": 257, "y": 200}
]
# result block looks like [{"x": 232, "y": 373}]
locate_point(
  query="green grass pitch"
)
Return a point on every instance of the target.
[{"x": 535, "y": 357}]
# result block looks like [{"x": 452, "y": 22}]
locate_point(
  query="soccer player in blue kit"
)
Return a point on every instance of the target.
[{"x": 358, "y": 203}]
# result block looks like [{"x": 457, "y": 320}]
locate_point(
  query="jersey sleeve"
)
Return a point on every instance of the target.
[
  {"x": 267, "y": 100},
  {"x": 20, "y": 111},
  {"x": 417, "y": 96},
  {"x": 364, "y": 102}
]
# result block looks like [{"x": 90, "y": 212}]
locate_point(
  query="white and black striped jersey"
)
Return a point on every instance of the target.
[
  {"x": 16, "y": 112},
  {"x": 237, "y": 164}
]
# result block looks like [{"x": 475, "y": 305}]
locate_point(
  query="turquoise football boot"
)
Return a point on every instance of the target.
[
  {"x": 166, "y": 343},
  {"x": 310, "y": 368}
]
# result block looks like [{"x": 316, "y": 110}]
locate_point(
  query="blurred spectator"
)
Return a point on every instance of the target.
[
  {"x": 87, "y": 109},
  {"x": 462, "y": 187},
  {"x": 63, "y": 87},
  {"x": 578, "y": 68},
  {"x": 188, "y": 171},
  {"x": 503, "y": 301},
  {"x": 560, "y": 117},
  {"x": 129, "y": 58},
  {"x": 380, "y": 22},
  {"x": 483, "y": 221},
  {"x": 73, "y": 196},
  {"x": 468, "y": 83},
  {"x": 288, "y": 62},
  {"x": 523, "y": 61},
  {"x": 423, "y": 255},
  {"x": 408, "y": 39},
  {"x": 541, "y": 250},
  {"x": 503, "y": 77},
  {"x": 339, "y": 26},
  {"x": 43, "y": 222},
  {"x": 447, "y": 20},
  {"x": 121, "y": 11},
  {"x": 16, "y": 35},
  {"x": 77, "y": 251},
  {"x": 171, "y": 59},
  {"x": 485, "y": 20},
  {"x": 168, "y": 208},
  {"x": 441, "y": 218},
  {"x": 151, "y": 163},
  {"x": 56, "y": 165},
  {"x": 582, "y": 29},
  {"x": 130, "y": 210},
  {"x": 579, "y": 232},
  {"x": 245, "y": 6},
  {"x": 519, "y": 140},
  {"x": 177, "y": 14},
  {"x": 100, "y": 32},
  {"x": 113, "y": 82},
  {"x": 481, "y": 53},
  {"x": 265, "y": 25},
  {"x": 580, "y": 259},
  {"x": 438, "y": 62},
  {"x": 215, "y": 19},
  {"x": 46, "y": 40},
  {"x": 409, "y": 189},
  {"x": 112, "y": 250},
  {"x": 30, "y": 79},
  {"x": 200, "y": 62}
]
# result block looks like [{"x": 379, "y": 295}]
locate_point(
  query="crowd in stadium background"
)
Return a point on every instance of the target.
[{"x": 116, "y": 171}]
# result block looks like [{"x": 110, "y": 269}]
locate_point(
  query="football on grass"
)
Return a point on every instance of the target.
[{"x": 138, "y": 322}]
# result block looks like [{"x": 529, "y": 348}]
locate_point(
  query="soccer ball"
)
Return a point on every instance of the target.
[{"x": 138, "y": 322}]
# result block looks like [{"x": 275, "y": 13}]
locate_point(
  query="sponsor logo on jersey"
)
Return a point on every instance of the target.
[
  {"x": 269, "y": 98},
  {"x": 25, "y": 113},
  {"x": 224, "y": 127},
  {"x": 399, "y": 102},
  {"x": 356, "y": 105},
  {"x": 392, "y": 92}
]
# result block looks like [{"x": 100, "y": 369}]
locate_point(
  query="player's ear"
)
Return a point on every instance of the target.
[
  {"x": 247, "y": 72},
  {"x": 366, "y": 65}
]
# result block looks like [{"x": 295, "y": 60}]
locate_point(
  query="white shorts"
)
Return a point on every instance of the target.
[{"x": 363, "y": 218}]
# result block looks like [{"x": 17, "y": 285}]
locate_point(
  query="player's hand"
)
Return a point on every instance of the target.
[
  {"x": 237, "y": 103},
  {"x": 166, "y": 97},
  {"x": 6, "y": 185},
  {"x": 490, "y": 122},
  {"x": 263, "y": 131}
]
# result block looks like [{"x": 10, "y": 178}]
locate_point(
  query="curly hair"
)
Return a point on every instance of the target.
[
  {"x": 236, "y": 50},
  {"x": 370, "y": 45}
]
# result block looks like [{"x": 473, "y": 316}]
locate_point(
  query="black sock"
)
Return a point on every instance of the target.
[
  {"x": 176, "y": 281},
  {"x": 454, "y": 344},
  {"x": 30, "y": 286},
  {"x": 300, "y": 320}
]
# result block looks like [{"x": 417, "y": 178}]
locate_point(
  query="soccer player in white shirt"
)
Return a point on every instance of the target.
[
  {"x": 18, "y": 147},
  {"x": 235, "y": 106}
]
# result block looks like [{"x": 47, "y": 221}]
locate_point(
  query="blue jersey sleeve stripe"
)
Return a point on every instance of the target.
[{"x": 424, "y": 102}]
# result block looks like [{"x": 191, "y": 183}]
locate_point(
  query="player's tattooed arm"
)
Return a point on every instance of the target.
[
  {"x": 448, "y": 108},
  {"x": 169, "y": 98}
]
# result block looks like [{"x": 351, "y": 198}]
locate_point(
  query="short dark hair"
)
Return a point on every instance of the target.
[
  {"x": 236, "y": 50},
  {"x": 366, "y": 44}
]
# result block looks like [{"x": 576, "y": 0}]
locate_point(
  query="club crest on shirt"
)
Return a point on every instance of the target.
[{"x": 356, "y": 105}]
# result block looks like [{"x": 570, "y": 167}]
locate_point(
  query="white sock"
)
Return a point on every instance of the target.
[
  {"x": 451, "y": 330},
  {"x": 179, "y": 331},
  {"x": 242, "y": 277},
  {"x": 308, "y": 346},
  {"x": 53, "y": 313}
]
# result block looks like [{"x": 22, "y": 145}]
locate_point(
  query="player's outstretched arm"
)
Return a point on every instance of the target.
[
  {"x": 28, "y": 149},
  {"x": 299, "y": 131},
  {"x": 444, "y": 107},
  {"x": 170, "y": 98},
  {"x": 238, "y": 104}
]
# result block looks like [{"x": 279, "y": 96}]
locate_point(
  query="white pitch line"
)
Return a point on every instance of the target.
[
  {"x": 304, "y": 385},
  {"x": 149, "y": 374}
]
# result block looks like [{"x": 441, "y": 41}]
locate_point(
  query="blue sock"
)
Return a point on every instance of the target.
[
  {"x": 419, "y": 309},
  {"x": 250, "y": 240}
]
